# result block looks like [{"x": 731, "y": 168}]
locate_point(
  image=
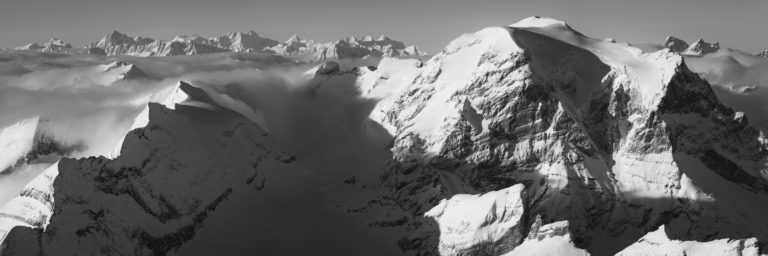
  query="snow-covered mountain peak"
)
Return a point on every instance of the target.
[
  {"x": 293, "y": 39},
  {"x": 701, "y": 47},
  {"x": 675, "y": 44},
  {"x": 573, "y": 118},
  {"x": 540, "y": 22},
  {"x": 115, "y": 38},
  {"x": 547, "y": 40},
  {"x": 556, "y": 27},
  {"x": 121, "y": 70}
]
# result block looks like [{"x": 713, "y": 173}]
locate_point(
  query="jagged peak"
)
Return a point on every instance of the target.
[
  {"x": 181, "y": 93},
  {"x": 701, "y": 47},
  {"x": 293, "y": 38}
]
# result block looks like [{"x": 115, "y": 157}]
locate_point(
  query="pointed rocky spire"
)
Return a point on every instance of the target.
[{"x": 293, "y": 38}]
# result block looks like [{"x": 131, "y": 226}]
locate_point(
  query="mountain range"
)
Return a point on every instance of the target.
[
  {"x": 117, "y": 44},
  {"x": 525, "y": 139}
]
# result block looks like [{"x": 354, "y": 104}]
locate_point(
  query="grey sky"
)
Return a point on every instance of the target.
[{"x": 430, "y": 24}]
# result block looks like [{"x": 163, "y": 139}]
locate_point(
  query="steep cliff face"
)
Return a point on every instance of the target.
[{"x": 613, "y": 140}]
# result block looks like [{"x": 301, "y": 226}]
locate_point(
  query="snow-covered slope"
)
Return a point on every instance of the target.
[
  {"x": 763, "y": 54},
  {"x": 349, "y": 48},
  {"x": 27, "y": 140},
  {"x": 550, "y": 239},
  {"x": 658, "y": 243},
  {"x": 493, "y": 219},
  {"x": 33, "y": 206},
  {"x": 16, "y": 141}
]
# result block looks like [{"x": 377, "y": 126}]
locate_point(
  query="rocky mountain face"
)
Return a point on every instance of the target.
[
  {"x": 763, "y": 54},
  {"x": 150, "y": 199},
  {"x": 350, "y": 48},
  {"x": 517, "y": 140},
  {"x": 615, "y": 141},
  {"x": 675, "y": 44}
]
